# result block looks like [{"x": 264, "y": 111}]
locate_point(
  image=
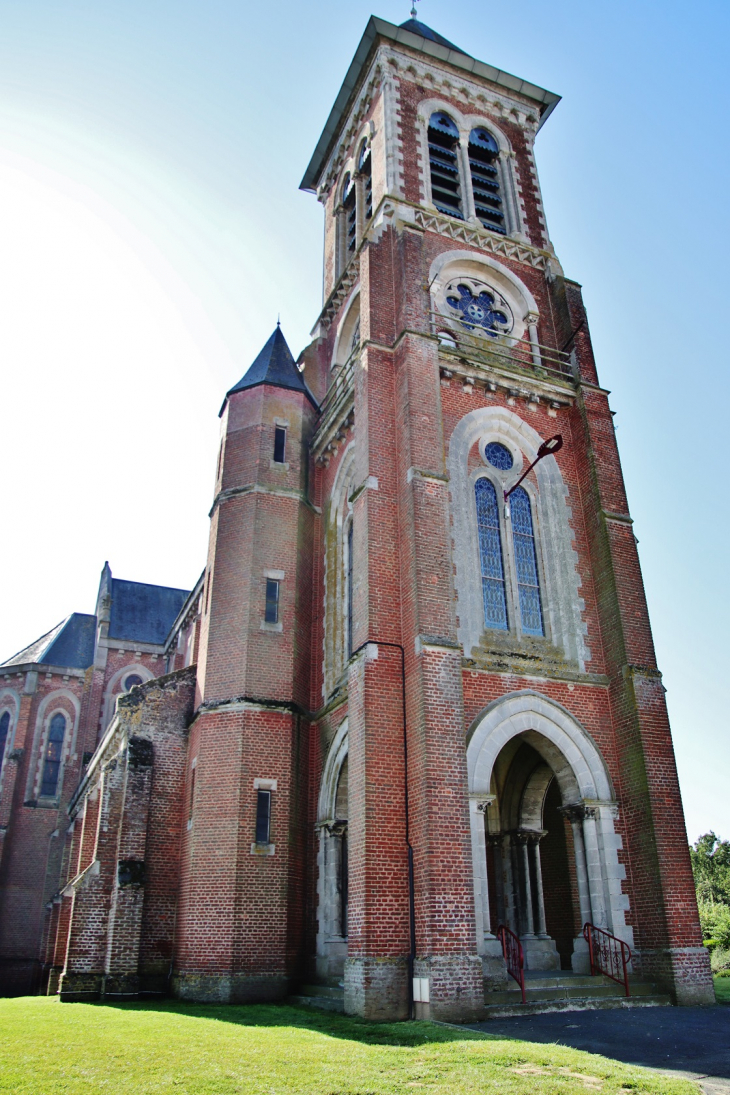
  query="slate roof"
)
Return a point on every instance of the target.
[
  {"x": 416, "y": 27},
  {"x": 274, "y": 365},
  {"x": 69, "y": 645},
  {"x": 143, "y": 613}
]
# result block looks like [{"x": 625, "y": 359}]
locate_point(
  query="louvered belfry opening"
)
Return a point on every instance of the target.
[
  {"x": 483, "y": 154},
  {"x": 349, "y": 204},
  {"x": 443, "y": 142},
  {"x": 365, "y": 169}
]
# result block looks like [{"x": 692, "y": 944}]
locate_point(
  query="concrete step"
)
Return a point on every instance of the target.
[
  {"x": 587, "y": 1003},
  {"x": 326, "y": 997}
]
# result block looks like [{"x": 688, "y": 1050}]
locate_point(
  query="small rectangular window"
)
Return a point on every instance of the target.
[
  {"x": 279, "y": 445},
  {"x": 263, "y": 816},
  {"x": 192, "y": 794},
  {"x": 272, "y": 601}
]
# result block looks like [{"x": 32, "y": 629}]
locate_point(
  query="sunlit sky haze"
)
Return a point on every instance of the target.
[{"x": 151, "y": 230}]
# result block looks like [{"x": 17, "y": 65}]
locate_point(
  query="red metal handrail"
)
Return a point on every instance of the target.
[
  {"x": 514, "y": 956},
  {"x": 609, "y": 955}
]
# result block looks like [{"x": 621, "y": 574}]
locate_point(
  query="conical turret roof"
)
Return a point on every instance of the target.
[{"x": 274, "y": 365}]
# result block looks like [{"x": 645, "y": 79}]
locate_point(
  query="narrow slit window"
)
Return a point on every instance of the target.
[
  {"x": 483, "y": 156},
  {"x": 528, "y": 582},
  {"x": 279, "y": 444},
  {"x": 490, "y": 553},
  {"x": 52, "y": 756},
  {"x": 365, "y": 167},
  {"x": 349, "y": 202},
  {"x": 4, "y": 728},
  {"x": 349, "y": 590},
  {"x": 192, "y": 792},
  {"x": 263, "y": 817},
  {"x": 443, "y": 144},
  {"x": 272, "y": 601}
]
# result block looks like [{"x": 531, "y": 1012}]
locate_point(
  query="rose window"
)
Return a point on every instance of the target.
[{"x": 479, "y": 307}]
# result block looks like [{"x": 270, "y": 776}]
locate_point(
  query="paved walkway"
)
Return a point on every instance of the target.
[{"x": 690, "y": 1042}]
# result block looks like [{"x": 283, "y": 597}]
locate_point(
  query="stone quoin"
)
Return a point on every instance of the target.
[{"x": 398, "y": 709}]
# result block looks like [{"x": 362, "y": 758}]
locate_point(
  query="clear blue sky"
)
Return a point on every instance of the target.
[{"x": 151, "y": 230}]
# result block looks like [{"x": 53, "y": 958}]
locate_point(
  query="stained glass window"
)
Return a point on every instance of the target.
[
  {"x": 490, "y": 553},
  {"x": 483, "y": 155},
  {"x": 132, "y": 681},
  {"x": 528, "y": 583},
  {"x": 4, "y": 727},
  {"x": 443, "y": 142},
  {"x": 498, "y": 455},
  {"x": 52, "y": 756},
  {"x": 478, "y": 309}
]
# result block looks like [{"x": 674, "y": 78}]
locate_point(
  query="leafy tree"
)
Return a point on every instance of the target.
[{"x": 711, "y": 868}]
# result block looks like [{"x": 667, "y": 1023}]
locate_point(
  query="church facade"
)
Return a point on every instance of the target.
[{"x": 413, "y": 697}]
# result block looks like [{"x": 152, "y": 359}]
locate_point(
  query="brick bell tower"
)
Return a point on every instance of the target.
[
  {"x": 490, "y": 740},
  {"x": 239, "y": 909}
]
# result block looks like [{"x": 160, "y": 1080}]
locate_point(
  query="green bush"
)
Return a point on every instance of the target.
[
  {"x": 723, "y": 973},
  {"x": 720, "y": 960},
  {"x": 715, "y": 921}
]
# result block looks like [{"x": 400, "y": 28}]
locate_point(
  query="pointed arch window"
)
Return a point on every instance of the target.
[
  {"x": 443, "y": 145},
  {"x": 52, "y": 756},
  {"x": 490, "y": 553},
  {"x": 528, "y": 582},
  {"x": 483, "y": 155},
  {"x": 365, "y": 170},
  {"x": 4, "y": 730}
]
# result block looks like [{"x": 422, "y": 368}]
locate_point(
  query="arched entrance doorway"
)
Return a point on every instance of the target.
[
  {"x": 544, "y": 847},
  {"x": 332, "y": 861}
]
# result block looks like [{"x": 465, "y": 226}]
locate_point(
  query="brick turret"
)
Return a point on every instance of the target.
[{"x": 239, "y": 867}]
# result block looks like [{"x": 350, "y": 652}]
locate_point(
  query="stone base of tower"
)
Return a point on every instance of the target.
[
  {"x": 377, "y": 988},
  {"x": 684, "y": 972},
  {"x": 227, "y": 988},
  {"x": 455, "y": 988}
]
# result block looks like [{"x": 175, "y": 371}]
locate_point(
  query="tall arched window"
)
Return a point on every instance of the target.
[
  {"x": 443, "y": 144},
  {"x": 490, "y": 552},
  {"x": 52, "y": 756},
  {"x": 348, "y": 594},
  {"x": 4, "y": 728},
  {"x": 365, "y": 170},
  {"x": 528, "y": 582},
  {"x": 483, "y": 155}
]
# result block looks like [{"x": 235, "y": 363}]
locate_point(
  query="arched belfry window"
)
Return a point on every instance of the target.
[
  {"x": 52, "y": 756},
  {"x": 490, "y": 553},
  {"x": 443, "y": 144},
  {"x": 349, "y": 205},
  {"x": 528, "y": 582},
  {"x": 365, "y": 170},
  {"x": 483, "y": 155},
  {"x": 4, "y": 730}
]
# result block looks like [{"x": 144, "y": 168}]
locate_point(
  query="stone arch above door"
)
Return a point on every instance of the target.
[{"x": 586, "y": 792}]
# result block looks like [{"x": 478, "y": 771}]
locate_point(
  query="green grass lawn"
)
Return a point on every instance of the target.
[
  {"x": 49, "y": 1048},
  {"x": 722, "y": 989}
]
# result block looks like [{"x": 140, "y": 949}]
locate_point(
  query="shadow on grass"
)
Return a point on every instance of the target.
[{"x": 330, "y": 1024}]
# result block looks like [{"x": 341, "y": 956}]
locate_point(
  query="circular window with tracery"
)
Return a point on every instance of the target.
[
  {"x": 498, "y": 456},
  {"x": 477, "y": 307},
  {"x": 131, "y": 681}
]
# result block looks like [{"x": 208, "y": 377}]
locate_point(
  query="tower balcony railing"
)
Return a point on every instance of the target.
[
  {"x": 335, "y": 410},
  {"x": 492, "y": 350}
]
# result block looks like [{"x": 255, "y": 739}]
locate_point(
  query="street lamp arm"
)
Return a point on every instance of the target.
[{"x": 548, "y": 448}]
